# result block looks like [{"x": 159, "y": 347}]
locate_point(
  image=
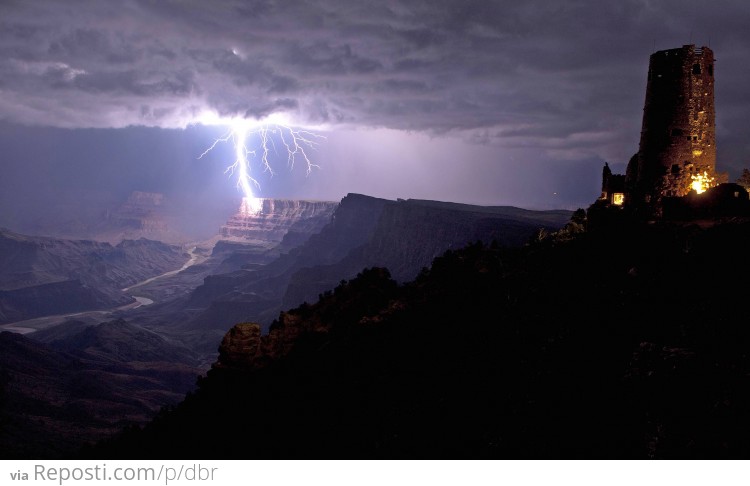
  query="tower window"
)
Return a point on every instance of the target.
[
  {"x": 696, "y": 68},
  {"x": 710, "y": 69},
  {"x": 675, "y": 169}
]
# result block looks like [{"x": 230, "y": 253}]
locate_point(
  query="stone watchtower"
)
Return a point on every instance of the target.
[{"x": 677, "y": 150}]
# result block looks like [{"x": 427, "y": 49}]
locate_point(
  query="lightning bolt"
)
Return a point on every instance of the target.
[{"x": 269, "y": 135}]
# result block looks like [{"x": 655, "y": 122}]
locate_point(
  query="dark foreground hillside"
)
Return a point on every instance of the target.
[{"x": 624, "y": 343}]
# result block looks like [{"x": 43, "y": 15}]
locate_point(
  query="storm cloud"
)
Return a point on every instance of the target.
[
  {"x": 517, "y": 70},
  {"x": 557, "y": 81}
]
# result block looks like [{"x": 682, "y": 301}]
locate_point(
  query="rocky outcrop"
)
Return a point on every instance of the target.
[
  {"x": 269, "y": 220},
  {"x": 239, "y": 346},
  {"x": 245, "y": 347}
]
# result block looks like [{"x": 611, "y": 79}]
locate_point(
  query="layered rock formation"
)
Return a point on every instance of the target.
[
  {"x": 44, "y": 276},
  {"x": 142, "y": 215},
  {"x": 269, "y": 220},
  {"x": 256, "y": 294},
  {"x": 141, "y": 211}
]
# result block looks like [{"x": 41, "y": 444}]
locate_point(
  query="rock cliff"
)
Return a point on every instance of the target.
[
  {"x": 269, "y": 220},
  {"x": 256, "y": 293},
  {"x": 410, "y": 234},
  {"x": 403, "y": 236}
]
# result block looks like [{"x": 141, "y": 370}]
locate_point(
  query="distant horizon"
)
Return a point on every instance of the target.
[{"x": 210, "y": 231}]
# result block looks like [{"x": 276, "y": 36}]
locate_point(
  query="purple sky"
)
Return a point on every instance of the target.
[{"x": 487, "y": 102}]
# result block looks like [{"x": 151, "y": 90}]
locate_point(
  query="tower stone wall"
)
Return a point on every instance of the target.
[{"x": 678, "y": 135}]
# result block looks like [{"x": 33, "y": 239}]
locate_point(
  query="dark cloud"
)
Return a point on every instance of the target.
[
  {"x": 565, "y": 77},
  {"x": 490, "y": 58},
  {"x": 93, "y": 44},
  {"x": 327, "y": 59},
  {"x": 264, "y": 110},
  {"x": 130, "y": 83}
]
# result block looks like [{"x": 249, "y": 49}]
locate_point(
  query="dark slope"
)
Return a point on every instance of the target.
[
  {"x": 119, "y": 341},
  {"x": 624, "y": 343},
  {"x": 57, "y": 396},
  {"x": 55, "y": 298}
]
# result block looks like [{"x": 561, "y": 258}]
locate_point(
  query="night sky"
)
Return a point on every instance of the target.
[{"x": 485, "y": 102}]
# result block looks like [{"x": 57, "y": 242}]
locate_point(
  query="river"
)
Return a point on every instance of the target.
[{"x": 192, "y": 261}]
